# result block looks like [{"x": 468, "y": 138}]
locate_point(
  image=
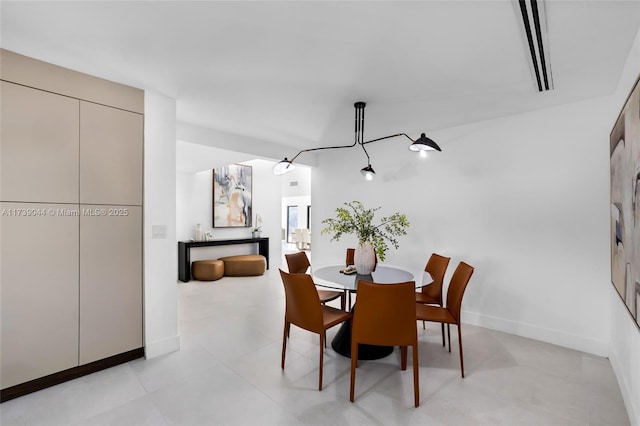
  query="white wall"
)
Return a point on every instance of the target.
[
  {"x": 194, "y": 202},
  {"x": 194, "y": 205},
  {"x": 624, "y": 347},
  {"x": 297, "y": 183},
  {"x": 220, "y": 139},
  {"x": 160, "y": 254},
  {"x": 193, "y": 157}
]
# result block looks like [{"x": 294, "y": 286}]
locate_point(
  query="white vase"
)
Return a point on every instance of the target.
[
  {"x": 364, "y": 258},
  {"x": 199, "y": 233}
]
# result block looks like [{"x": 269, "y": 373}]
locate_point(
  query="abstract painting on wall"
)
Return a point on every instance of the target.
[
  {"x": 232, "y": 196},
  {"x": 625, "y": 203}
]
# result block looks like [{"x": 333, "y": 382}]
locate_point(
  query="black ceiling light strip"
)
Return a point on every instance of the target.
[
  {"x": 532, "y": 50},
  {"x": 536, "y": 24}
]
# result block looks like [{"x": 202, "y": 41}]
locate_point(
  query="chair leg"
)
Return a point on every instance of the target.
[
  {"x": 460, "y": 345},
  {"x": 442, "y": 326},
  {"x": 416, "y": 385},
  {"x": 423, "y": 326},
  {"x": 343, "y": 301},
  {"x": 403, "y": 358},
  {"x": 322, "y": 342},
  {"x": 449, "y": 336},
  {"x": 284, "y": 342},
  {"x": 354, "y": 364}
]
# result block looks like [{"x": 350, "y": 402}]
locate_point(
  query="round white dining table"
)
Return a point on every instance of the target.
[{"x": 331, "y": 277}]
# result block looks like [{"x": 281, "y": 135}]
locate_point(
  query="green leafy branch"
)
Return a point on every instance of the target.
[{"x": 356, "y": 219}]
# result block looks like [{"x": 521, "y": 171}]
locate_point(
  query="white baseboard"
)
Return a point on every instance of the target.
[
  {"x": 161, "y": 347},
  {"x": 592, "y": 346}
]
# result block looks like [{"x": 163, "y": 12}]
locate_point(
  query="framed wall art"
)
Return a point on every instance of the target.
[
  {"x": 625, "y": 203},
  {"x": 232, "y": 187}
]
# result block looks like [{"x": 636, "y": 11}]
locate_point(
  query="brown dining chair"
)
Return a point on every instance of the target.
[
  {"x": 432, "y": 293},
  {"x": 451, "y": 313},
  {"x": 351, "y": 252},
  {"x": 298, "y": 263},
  {"x": 385, "y": 315},
  {"x": 303, "y": 309}
]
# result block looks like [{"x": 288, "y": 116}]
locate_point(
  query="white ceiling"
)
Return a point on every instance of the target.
[
  {"x": 193, "y": 157},
  {"x": 289, "y": 72}
]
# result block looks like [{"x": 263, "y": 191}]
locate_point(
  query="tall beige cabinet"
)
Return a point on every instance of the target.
[{"x": 71, "y": 182}]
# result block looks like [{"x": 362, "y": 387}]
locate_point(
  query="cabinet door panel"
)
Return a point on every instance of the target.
[
  {"x": 38, "y": 145},
  {"x": 110, "y": 155},
  {"x": 39, "y": 287},
  {"x": 110, "y": 281}
]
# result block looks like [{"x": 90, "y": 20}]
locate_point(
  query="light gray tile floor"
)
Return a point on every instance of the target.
[{"x": 228, "y": 373}]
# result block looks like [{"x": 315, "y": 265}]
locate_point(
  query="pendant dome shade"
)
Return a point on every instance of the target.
[
  {"x": 282, "y": 167},
  {"x": 368, "y": 172},
  {"x": 424, "y": 144}
]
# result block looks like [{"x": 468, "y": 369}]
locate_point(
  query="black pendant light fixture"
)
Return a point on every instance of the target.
[
  {"x": 284, "y": 166},
  {"x": 424, "y": 144},
  {"x": 421, "y": 145},
  {"x": 368, "y": 172}
]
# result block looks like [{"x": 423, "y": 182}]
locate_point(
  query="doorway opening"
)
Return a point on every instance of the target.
[{"x": 296, "y": 211}]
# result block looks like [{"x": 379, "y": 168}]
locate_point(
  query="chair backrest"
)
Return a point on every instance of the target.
[
  {"x": 385, "y": 314},
  {"x": 350, "y": 254},
  {"x": 302, "y": 303},
  {"x": 298, "y": 263},
  {"x": 457, "y": 286},
  {"x": 437, "y": 267}
]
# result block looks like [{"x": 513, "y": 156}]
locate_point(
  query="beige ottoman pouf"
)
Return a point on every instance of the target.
[
  {"x": 246, "y": 265},
  {"x": 207, "y": 270}
]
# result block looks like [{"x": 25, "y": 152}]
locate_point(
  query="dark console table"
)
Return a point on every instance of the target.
[{"x": 184, "y": 252}]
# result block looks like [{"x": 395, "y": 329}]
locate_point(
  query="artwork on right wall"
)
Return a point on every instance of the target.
[{"x": 625, "y": 203}]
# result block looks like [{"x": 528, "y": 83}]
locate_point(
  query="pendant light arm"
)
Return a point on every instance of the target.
[
  {"x": 366, "y": 153},
  {"x": 323, "y": 147},
  {"x": 352, "y": 145},
  {"x": 388, "y": 137}
]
